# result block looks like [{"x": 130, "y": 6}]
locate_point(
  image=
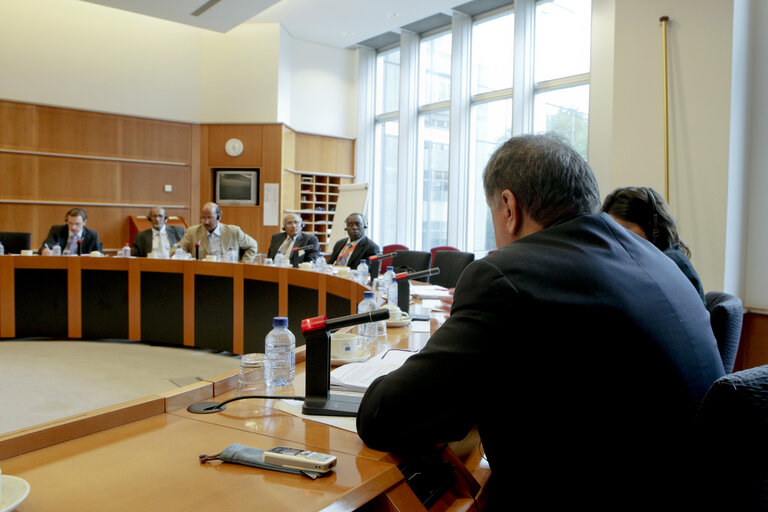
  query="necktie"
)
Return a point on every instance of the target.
[
  {"x": 343, "y": 258},
  {"x": 73, "y": 244},
  {"x": 286, "y": 246}
]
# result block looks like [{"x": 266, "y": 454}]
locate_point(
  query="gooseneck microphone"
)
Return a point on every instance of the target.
[
  {"x": 318, "y": 369},
  {"x": 302, "y": 248},
  {"x": 417, "y": 274},
  {"x": 381, "y": 256}
]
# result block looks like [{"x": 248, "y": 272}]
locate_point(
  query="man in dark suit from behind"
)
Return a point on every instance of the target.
[
  {"x": 349, "y": 251},
  {"x": 68, "y": 235},
  {"x": 160, "y": 237},
  {"x": 578, "y": 349},
  {"x": 292, "y": 238}
]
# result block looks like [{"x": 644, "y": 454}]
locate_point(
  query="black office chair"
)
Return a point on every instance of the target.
[
  {"x": 451, "y": 265},
  {"x": 411, "y": 261},
  {"x": 731, "y": 442},
  {"x": 14, "y": 243},
  {"x": 726, "y": 315}
]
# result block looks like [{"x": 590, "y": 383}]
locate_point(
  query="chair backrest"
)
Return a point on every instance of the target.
[
  {"x": 726, "y": 315},
  {"x": 731, "y": 442},
  {"x": 411, "y": 261},
  {"x": 451, "y": 265},
  {"x": 14, "y": 243},
  {"x": 386, "y": 262},
  {"x": 434, "y": 250}
]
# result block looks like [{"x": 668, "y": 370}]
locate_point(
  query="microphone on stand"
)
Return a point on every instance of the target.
[
  {"x": 375, "y": 263},
  {"x": 302, "y": 248},
  {"x": 404, "y": 286},
  {"x": 318, "y": 400}
]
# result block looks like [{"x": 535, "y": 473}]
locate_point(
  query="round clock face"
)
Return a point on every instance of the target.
[{"x": 234, "y": 147}]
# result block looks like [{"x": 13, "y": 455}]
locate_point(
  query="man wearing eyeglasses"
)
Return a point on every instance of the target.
[{"x": 216, "y": 238}]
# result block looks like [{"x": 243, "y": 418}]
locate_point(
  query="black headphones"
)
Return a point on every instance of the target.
[
  {"x": 365, "y": 221},
  {"x": 218, "y": 212},
  {"x": 302, "y": 224},
  {"x": 654, "y": 216}
]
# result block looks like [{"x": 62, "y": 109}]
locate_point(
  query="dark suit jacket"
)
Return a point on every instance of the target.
[
  {"x": 142, "y": 244},
  {"x": 365, "y": 249},
  {"x": 684, "y": 264},
  {"x": 302, "y": 240},
  {"x": 578, "y": 346},
  {"x": 60, "y": 235}
]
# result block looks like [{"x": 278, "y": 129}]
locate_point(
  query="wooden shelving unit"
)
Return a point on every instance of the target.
[{"x": 318, "y": 194}]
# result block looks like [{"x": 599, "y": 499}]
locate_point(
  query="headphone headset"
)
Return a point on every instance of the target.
[
  {"x": 365, "y": 221},
  {"x": 654, "y": 216},
  {"x": 302, "y": 224},
  {"x": 218, "y": 212},
  {"x": 165, "y": 216}
]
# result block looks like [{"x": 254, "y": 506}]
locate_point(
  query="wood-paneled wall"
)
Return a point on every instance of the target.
[{"x": 52, "y": 159}]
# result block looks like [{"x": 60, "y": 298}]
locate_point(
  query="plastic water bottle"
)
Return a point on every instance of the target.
[
  {"x": 280, "y": 347},
  {"x": 2, "y": 249},
  {"x": 125, "y": 252},
  {"x": 362, "y": 272},
  {"x": 279, "y": 259},
  {"x": 231, "y": 255},
  {"x": 389, "y": 280},
  {"x": 320, "y": 264},
  {"x": 372, "y": 332},
  {"x": 56, "y": 251}
]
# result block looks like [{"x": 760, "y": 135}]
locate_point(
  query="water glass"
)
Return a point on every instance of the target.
[{"x": 251, "y": 378}]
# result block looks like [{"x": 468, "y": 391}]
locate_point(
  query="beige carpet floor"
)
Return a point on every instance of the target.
[{"x": 42, "y": 381}]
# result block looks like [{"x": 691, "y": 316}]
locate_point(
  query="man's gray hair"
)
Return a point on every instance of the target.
[{"x": 549, "y": 179}]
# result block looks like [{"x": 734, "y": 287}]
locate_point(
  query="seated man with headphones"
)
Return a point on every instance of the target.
[
  {"x": 216, "y": 238},
  {"x": 160, "y": 237},
  {"x": 349, "y": 251},
  {"x": 296, "y": 246}
]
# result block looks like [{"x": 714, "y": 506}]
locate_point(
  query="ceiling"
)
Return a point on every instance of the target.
[{"x": 337, "y": 23}]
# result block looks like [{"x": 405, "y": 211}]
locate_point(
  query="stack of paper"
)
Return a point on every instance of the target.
[
  {"x": 358, "y": 376},
  {"x": 429, "y": 291}
]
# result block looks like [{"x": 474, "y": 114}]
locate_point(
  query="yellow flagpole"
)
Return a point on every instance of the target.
[{"x": 664, "y": 20}]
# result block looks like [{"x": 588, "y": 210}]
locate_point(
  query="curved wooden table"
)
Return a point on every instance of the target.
[{"x": 219, "y": 306}]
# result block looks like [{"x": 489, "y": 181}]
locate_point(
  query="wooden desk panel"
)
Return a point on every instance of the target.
[{"x": 219, "y": 306}]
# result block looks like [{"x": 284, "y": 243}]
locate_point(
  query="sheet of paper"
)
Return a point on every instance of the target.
[
  {"x": 358, "y": 376},
  {"x": 342, "y": 422},
  {"x": 420, "y": 326},
  {"x": 429, "y": 292},
  {"x": 271, "y": 204}
]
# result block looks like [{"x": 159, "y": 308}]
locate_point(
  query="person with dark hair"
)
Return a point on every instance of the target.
[
  {"x": 215, "y": 237},
  {"x": 159, "y": 238},
  {"x": 72, "y": 237},
  {"x": 348, "y": 252},
  {"x": 644, "y": 211},
  {"x": 576, "y": 348}
]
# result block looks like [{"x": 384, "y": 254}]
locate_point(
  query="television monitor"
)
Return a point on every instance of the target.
[{"x": 237, "y": 186}]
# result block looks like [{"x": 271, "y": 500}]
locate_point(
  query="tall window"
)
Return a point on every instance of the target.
[
  {"x": 434, "y": 117},
  {"x": 493, "y": 44},
  {"x": 386, "y": 141},
  {"x": 467, "y": 87},
  {"x": 561, "y": 65}
]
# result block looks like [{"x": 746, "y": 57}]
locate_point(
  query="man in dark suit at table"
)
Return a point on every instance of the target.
[
  {"x": 579, "y": 350},
  {"x": 72, "y": 236},
  {"x": 292, "y": 238},
  {"x": 349, "y": 251},
  {"x": 160, "y": 237}
]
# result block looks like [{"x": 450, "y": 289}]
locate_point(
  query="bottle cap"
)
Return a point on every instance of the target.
[
  {"x": 390, "y": 267},
  {"x": 367, "y": 294},
  {"x": 280, "y": 321}
]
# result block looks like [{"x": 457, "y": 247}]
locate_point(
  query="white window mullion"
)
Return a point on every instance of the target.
[
  {"x": 458, "y": 209},
  {"x": 407, "y": 142},
  {"x": 366, "y": 129},
  {"x": 522, "y": 115}
]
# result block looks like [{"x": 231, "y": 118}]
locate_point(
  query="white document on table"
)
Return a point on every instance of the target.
[
  {"x": 358, "y": 376},
  {"x": 429, "y": 291}
]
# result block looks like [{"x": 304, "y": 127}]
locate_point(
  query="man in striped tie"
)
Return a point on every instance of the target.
[{"x": 67, "y": 235}]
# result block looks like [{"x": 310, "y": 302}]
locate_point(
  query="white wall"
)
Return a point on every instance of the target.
[
  {"x": 76, "y": 54},
  {"x": 81, "y": 55},
  {"x": 323, "y": 89},
  {"x": 699, "y": 70}
]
